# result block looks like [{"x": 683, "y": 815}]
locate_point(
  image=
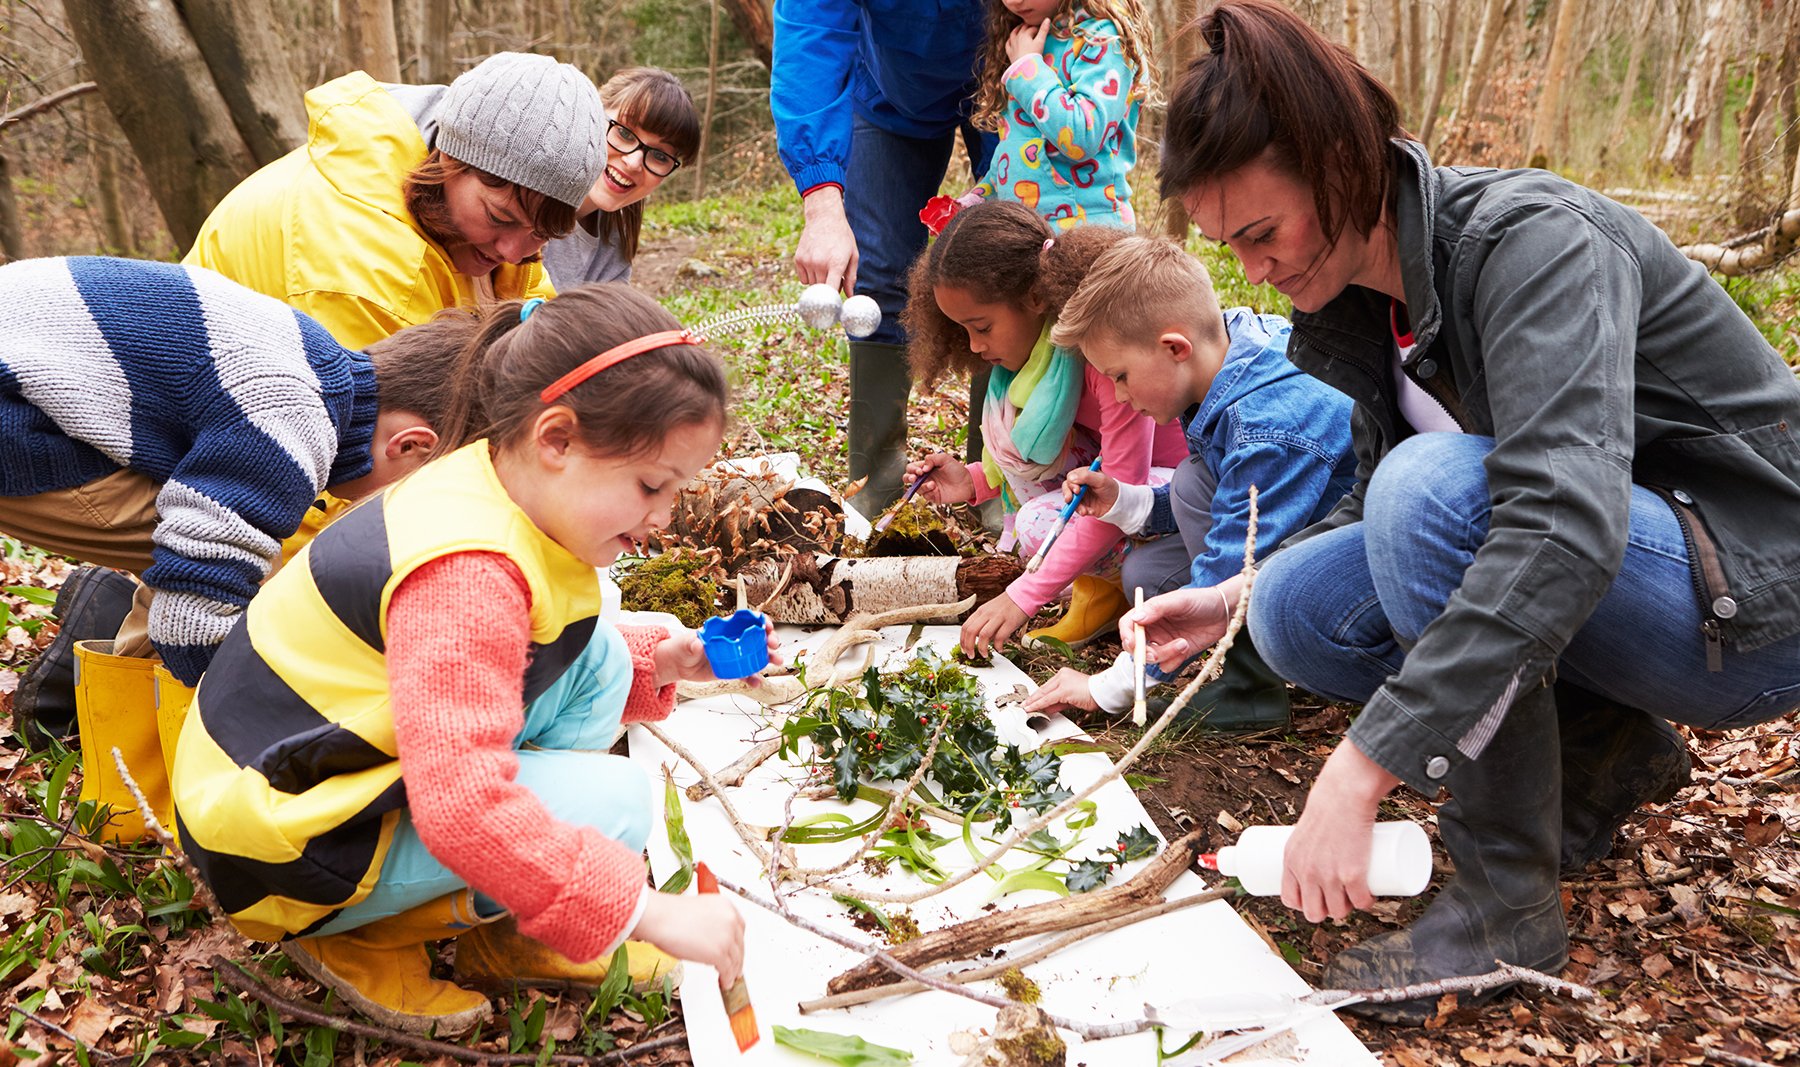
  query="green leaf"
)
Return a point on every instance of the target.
[
  {"x": 1074, "y": 748},
  {"x": 844, "y": 772},
  {"x": 1087, "y": 876},
  {"x": 1083, "y": 816},
  {"x": 1030, "y": 879},
  {"x": 1060, "y": 647},
  {"x": 614, "y": 985},
  {"x": 46, "y": 597},
  {"x": 866, "y": 908},
  {"x": 676, "y": 825},
  {"x": 1136, "y": 843},
  {"x": 846, "y": 1049}
]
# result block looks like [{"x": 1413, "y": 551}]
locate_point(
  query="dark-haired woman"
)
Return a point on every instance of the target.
[{"x": 1574, "y": 519}]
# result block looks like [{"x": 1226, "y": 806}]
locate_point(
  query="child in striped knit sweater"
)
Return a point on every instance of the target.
[
  {"x": 436, "y": 692},
  {"x": 169, "y": 422}
]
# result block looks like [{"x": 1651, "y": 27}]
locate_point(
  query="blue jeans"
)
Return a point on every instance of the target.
[
  {"x": 562, "y": 758},
  {"x": 1336, "y": 613}
]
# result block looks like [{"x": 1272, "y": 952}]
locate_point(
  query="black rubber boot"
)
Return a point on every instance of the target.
[
  {"x": 880, "y": 382},
  {"x": 1247, "y": 696},
  {"x": 91, "y": 604},
  {"x": 1501, "y": 828},
  {"x": 1615, "y": 760}
]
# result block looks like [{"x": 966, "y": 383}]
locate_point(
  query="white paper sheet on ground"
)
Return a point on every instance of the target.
[{"x": 1201, "y": 951}]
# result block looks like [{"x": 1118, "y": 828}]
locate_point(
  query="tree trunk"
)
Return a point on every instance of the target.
[
  {"x": 12, "y": 238},
  {"x": 1481, "y": 62},
  {"x": 1755, "y": 118},
  {"x": 1633, "y": 68},
  {"x": 434, "y": 43},
  {"x": 1704, "y": 93},
  {"x": 114, "y": 227},
  {"x": 1441, "y": 76},
  {"x": 249, "y": 64},
  {"x": 1668, "y": 84},
  {"x": 157, "y": 85},
  {"x": 1397, "y": 64},
  {"x": 1353, "y": 27},
  {"x": 712, "y": 94},
  {"x": 1546, "y": 140},
  {"x": 1179, "y": 52},
  {"x": 367, "y": 28},
  {"x": 1785, "y": 91},
  {"x": 1415, "y": 56},
  {"x": 755, "y": 22},
  {"x": 407, "y": 32}
]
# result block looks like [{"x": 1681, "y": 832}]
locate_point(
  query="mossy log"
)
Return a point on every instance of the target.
[{"x": 823, "y": 590}]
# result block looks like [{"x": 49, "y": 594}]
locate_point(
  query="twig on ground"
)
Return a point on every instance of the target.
[
  {"x": 1023, "y": 959},
  {"x": 202, "y": 892},
  {"x": 60, "y": 1032},
  {"x": 1504, "y": 974},
  {"x": 713, "y": 786},
  {"x": 243, "y": 981},
  {"x": 62, "y": 835},
  {"x": 734, "y": 774},
  {"x": 1721, "y": 1056},
  {"x": 1666, "y": 878}
]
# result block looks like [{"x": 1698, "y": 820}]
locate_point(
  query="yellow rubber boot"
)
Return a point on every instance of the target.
[
  {"x": 1094, "y": 606},
  {"x": 383, "y": 970},
  {"x": 498, "y": 956},
  {"x": 172, "y": 702},
  {"x": 115, "y": 705}
]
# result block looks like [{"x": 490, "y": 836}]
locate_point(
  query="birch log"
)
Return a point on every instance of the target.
[{"x": 826, "y": 590}]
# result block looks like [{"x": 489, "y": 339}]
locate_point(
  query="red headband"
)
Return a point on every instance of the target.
[{"x": 617, "y": 354}]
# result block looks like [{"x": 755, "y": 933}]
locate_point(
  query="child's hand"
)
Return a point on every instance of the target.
[
  {"x": 682, "y": 658},
  {"x": 706, "y": 929},
  {"x": 1102, "y": 491},
  {"x": 991, "y": 624},
  {"x": 1026, "y": 40},
  {"x": 950, "y": 481},
  {"x": 1068, "y": 689}
]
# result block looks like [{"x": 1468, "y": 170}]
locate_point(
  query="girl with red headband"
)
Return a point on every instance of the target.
[{"x": 434, "y": 691}]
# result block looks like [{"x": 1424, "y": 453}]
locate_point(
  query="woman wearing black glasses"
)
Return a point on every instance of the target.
[{"x": 653, "y": 130}]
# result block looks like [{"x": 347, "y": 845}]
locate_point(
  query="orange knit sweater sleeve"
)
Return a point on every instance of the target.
[
  {"x": 457, "y": 686},
  {"x": 648, "y": 702}
]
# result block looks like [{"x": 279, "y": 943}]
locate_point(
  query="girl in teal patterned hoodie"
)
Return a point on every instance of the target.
[{"x": 1062, "y": 83}]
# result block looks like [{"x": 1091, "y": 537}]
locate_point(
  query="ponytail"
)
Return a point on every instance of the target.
[
  {"x": 1270, "y": 83},
  {"x": 464, "y": 420}
]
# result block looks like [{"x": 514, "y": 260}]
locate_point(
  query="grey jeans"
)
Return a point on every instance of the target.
[{"x": 1167, "y": 562}]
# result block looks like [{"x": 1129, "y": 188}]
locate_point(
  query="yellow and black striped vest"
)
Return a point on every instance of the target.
[{"x": 287, "y": 787}]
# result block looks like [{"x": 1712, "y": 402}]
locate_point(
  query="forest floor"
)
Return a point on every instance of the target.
[{"x": 1690, "y": 931}]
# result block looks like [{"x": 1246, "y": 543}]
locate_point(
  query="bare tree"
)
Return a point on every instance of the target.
[
  {"x": 1704, "y": 93},
  {"x": 1397, "y": 66},
  {"x": 249, "y": 64},
  {"x": 434, "y": 42},
  {"x": 12, "y": 238},
  {"x": 1633, "y": 68},
  {"x": 1546, "y": 125},
  {"x": 1440, "y": 76},
  {"x": 755, "y": 22},
  {"x": 157, "y": 85},
  {"x": 1481, "y": 62},
  {"x": 370, "y": 42}
]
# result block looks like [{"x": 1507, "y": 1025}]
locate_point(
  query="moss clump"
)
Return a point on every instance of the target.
[
  {"x": 1020, "y": 988},
  {"x": 905, "y": 928},
  {"x": 674, "y": 582}
]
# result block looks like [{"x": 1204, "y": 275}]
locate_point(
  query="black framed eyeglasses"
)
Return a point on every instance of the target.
[{"x": 626, "y": 141}]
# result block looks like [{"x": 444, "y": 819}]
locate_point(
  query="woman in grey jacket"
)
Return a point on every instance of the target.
[{"x": 1574, "y": 516}]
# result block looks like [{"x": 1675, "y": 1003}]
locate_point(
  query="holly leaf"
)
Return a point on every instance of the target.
[
  {"x": 1136, "y": 843},
  {"x": 1087, "y": 875},
  {"x": 844, "y": 772}
]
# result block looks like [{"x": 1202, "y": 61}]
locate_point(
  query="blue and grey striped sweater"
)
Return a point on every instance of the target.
[{"x": 242, "y": 408}]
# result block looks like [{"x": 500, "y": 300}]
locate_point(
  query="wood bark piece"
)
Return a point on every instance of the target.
[
  {"x": 823, "y": 589},
  {"x": 734, "y": 774},
  {"x": 967, "y": 939},
  {"x": 1752, "y": 252}
]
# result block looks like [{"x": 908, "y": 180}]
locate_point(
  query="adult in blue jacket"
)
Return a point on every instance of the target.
[{"x": 868, "y": 98}]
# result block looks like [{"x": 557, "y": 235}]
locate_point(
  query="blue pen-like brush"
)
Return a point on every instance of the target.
[
  {"x": 888, "y": 519},
  {"x": 1062, "y": 520}
]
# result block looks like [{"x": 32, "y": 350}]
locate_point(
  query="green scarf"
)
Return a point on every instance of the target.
[{"x": 1027, "y": 416}]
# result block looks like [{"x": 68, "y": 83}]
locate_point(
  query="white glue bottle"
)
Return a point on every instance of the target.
[{"x": 1399, "y": 859}]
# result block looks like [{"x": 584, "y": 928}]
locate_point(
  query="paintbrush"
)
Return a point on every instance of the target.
[
  {"x": 1062, "y": 520},
  {"x": 888, "y": 519},
  {"x": 1139, "y": 711},
  {"x": 737, "y": 998}
]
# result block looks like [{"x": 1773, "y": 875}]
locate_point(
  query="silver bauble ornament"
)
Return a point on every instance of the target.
[
  {"x": 861, "y": 315},
  {"x": 819, "y": 305}
]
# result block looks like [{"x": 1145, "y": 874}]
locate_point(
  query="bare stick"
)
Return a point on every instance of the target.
[
  {"x": 771, "y": 689},
  {"x": 712, "y": 786},
  {"x": 863, "y": 628},
  {"x": 202, "y": 891},
  {"x": 245, "y": 982},
  {"x": 734, "y": 774},
  {"x": 46, "y": 102},
  {"x": 1505, "y": 974},
  {"x": 1024, "y": 959}
]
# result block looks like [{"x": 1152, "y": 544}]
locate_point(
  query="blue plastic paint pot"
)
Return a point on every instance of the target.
[{"x": 737, "y": 645}]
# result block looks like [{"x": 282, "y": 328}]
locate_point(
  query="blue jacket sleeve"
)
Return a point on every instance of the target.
[
  {"x": 1290, "y": 474},
  {"x": 809, "y": 88}
]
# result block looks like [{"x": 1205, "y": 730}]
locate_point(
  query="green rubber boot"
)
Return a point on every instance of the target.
[
  {"x": 1615, "y": 760},
  {"x": 1247, "y": 696},
  {"x": 880, "y": 382}
]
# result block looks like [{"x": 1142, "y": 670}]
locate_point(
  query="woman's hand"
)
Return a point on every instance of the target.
[
  {"x": 1327, "y": 857},
  {"x": 990, "y": 626},
  {"x": 1102, "y": 491},
  {"x": 682, "y": 658},
  {"x": 1068, "y": 689},
  {"x": 1180, "y": 625},
  {"x": 826, "y": 251},
  {"x": 1026, "y": 40},
  {"x": 950, "y": 480},
  {"x": 706, "y": 929}
]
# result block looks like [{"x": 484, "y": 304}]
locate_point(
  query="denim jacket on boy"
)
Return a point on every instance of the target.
[
  {"x": 1568, "y": 328},
  {"x": 1268, "y": 424}
]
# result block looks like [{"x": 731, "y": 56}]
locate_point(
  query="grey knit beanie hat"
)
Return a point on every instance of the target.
[{"x": 529, "y": 119}]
